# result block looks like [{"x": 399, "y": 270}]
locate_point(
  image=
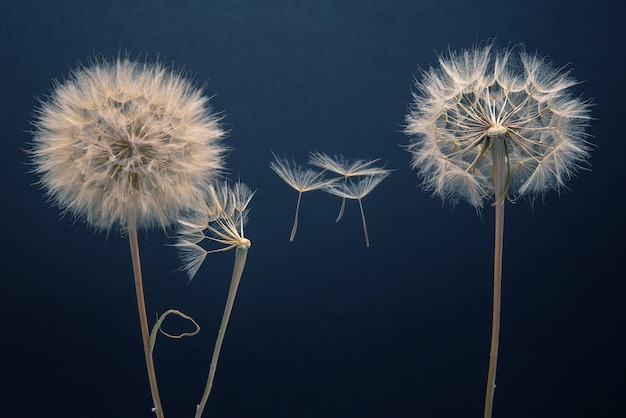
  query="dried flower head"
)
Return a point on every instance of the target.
[
  {"x": 221, "y": 220},
  {"x": 484, "y": 96},
  {"x": 126, "y": 144}
]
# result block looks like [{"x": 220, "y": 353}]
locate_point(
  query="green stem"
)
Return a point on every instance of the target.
[
  {"x": 143, "y": 320},
  {"x": 500, "y": 174},
  {"x": 241, "y": 253}
]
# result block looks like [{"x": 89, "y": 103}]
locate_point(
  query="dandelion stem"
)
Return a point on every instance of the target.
[
  {"x": 343, "y": 200},
  {"x": 500, "y": 182},
  {"x": 143, "y": 320},
  {"x": 241, "y": 253},
  {"x": 367, "y": 238},
  {"x": 295, "y": 219}
]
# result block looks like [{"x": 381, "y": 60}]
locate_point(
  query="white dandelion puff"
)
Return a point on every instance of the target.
[
  {"x": 127, "y": 145},
  {"x": 481, "y": 97},
  {"x": 489, "y": 124}
]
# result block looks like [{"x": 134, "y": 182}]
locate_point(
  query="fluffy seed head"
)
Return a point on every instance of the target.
[
  {"x": 220, "y": 220},
  {"x": 483, "y": 95},
  {"x": 126, "y": 144}
]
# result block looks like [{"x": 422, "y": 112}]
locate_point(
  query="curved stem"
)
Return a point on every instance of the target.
[
  {"x": 295, "y": 219},
  {"x": 343, "y": 200},
  {"x": 241, "y": 253},
  {"x": 156, "y": 328},
  {"x": 500, "y": 173},
  {"x": 143, "y": 320},
  {"x": 367, "y": 238}
]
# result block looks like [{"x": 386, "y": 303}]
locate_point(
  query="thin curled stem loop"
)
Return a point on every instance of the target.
[{"x": 157, "y": 327}]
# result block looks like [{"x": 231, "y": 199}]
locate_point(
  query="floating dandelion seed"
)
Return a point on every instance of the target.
[
  {"x": 303, "y": 180},
  {"x": 491, "y": 124},
  {"x": 345, "y": 168},
  {"x": 127, "y": 145},
  {"x": 357, "y": 190}
]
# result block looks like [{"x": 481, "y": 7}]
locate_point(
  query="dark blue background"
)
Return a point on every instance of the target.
[{"x": 322, "y": 327}]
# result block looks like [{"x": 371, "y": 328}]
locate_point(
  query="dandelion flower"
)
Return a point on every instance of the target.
[
  {"x": 357, "y": 190},
  {"x": 490, "y": 124},
  {"x": 485, "y": 101},
  {"x": 345, "y": 168},
  {"x": 301, "y": 179},
  {"x": 221, "y": 221},
  {"x": 127, "y": 145}
]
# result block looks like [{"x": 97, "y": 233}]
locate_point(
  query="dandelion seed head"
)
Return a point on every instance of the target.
[
  {"x": 485, "y": 94},
  {"x": 126, "y": 144},
  {"x": 219, "y": 220}
]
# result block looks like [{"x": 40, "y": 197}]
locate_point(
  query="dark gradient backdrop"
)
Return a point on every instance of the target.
[{"x": 322, "y": 327}]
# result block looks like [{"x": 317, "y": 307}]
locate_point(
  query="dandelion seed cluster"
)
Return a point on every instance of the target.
[
  {"x": 220, "y": 220},
  {"x": 126, "y": 144},
  {"x": 304, "y": 179},
  {"x": 485, "y": 94}
]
